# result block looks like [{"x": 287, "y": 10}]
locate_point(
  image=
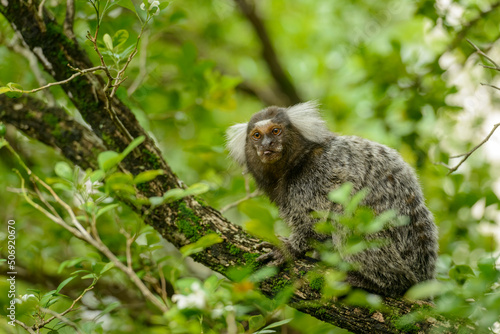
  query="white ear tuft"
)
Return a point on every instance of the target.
[
  {"x": 236, "y": 139},
  {"x": 307, "y": 119}
]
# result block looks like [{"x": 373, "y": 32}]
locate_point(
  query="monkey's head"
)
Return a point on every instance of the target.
[{"x": 276, "y": 133}]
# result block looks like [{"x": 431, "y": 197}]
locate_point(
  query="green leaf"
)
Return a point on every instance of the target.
[
  {"x": 204, "y": 242},
  {"x": 88, "y": 276},
  {"x": 47, "y": 297},
  {"x": 262, "y": 230},
  {"x": 108, "y": 309},
  {"x": 64, "y": 170},
  {"x": 164, "y": 5},
  {"x": 107, "y": 267},
  {"x": 120, "y": 37},
  {"x": 108, "y": 160},
  {"x": 126, "y": 4},
  {"x": 278, "y": 323},
  {"x": 156, "y": 200},
  {"x": 97, "y": 175},
  {"x": 342, "y": 194},
  {"x": 273, "y": 325},
  {"x": 136, "y": 142},
  {"x": 262, "y": 274},
  {"x": 175, "y": 194},
  {"x": 212, "y": 283},
  {"x": 105, "y": 209},
  {"x": 4, "y": 90},
  {"x": 425, "y": 290},
  {"x": 120, "y": 182},
  {"x": 147, "y": 176},
  {"x": 356, "y": 201},
  {"x": 14, "y": 90},
  {"x": 255, "y": 322},
  {"x": 70, "y": 263},
  {"x": 152, "y": 239},
  {"x": 63, "y": 283},
  {"x": 194, "y": 190},
  {"x": 108, "y": 41},
  {"x": 14, "y": 86},
  {"x": 461, "y": 273},
  {"x": 126, "y": 52}
]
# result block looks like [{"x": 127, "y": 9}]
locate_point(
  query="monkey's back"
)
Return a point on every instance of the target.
[{"x": 410, "y": 256}]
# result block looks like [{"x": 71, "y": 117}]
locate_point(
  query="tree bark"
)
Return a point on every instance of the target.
[{"x": 181, "y": 222}]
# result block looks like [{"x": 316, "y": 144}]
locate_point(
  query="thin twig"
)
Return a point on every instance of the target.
[
  {"x": 492, "y": 86},
  {"x": 109, "y": 83},
  {"x": 490, "y": 67},
  {"x": 62, "y": 319},
  {"x": 480, "y": 52},
  {"x": 247, "y": 197},
  {"x": 69, "y": 309},
  {"x": 17, "y": 46},
  {"x": 23, "y": 325},
  {"x": 119, "y": 78},
  {"x": 465, "y": 156},
  {"x": 79, "y": 73}
]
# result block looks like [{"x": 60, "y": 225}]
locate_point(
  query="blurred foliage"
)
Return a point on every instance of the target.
[{"x": 397, "y": 72}]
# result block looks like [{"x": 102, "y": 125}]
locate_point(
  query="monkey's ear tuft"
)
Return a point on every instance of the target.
[
  {"x": 307, "y": 119},
  {"x": 236, "y": 139}
]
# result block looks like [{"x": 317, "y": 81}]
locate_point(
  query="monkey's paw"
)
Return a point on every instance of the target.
[{"x": 278, "y": 256}]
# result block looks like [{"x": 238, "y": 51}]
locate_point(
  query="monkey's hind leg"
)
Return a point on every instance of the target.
[{"x": 378, "y": 273}]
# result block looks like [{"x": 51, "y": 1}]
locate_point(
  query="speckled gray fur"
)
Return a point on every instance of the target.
[{"x": 311, "y": 162}]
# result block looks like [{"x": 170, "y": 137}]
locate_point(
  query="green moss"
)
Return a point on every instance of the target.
[
  {"x": 316, "y": 283},
  {"x": 151, "y": 159},
  {"x": 279, "y": 284},
  {"x": 188, "y": 223},
  {"x": 50, "y": 119},
  {"x": 143, "y": 187},
  {"x": 201, "y": 201},
  {"x": 233, "y": 250},
  {"x": 250, "y": 259},
  {"x": 57, "y": 134},
  {"x": 108, "y": 140}
]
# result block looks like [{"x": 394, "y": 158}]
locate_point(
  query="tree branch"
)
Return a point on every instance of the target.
[
  {"x": 54, "y": 127},
  {"x": 269, "y": 54}
]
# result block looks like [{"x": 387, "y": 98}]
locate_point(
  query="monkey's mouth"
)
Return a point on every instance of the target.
[{"x": 270, "y": 156}]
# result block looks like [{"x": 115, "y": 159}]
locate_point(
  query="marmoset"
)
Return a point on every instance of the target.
[{"x": 297, "y": 162}]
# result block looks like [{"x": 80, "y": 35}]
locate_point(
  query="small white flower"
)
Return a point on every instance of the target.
[
  {"x": 197, "y": 299},
  {"x": 153, "y": 7},
  {"x": 155, "y": 4},
  {"x": 23, "y": 298},
  {"x": 26, "y": 297}
]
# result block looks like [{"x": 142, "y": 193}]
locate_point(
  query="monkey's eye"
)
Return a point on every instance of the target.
[
  {"x": 256, "y": 135},
  {"x": 276, "y": 131}
]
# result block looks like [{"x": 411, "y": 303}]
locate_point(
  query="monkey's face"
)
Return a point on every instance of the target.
[{"x": 266, "y": 138}]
